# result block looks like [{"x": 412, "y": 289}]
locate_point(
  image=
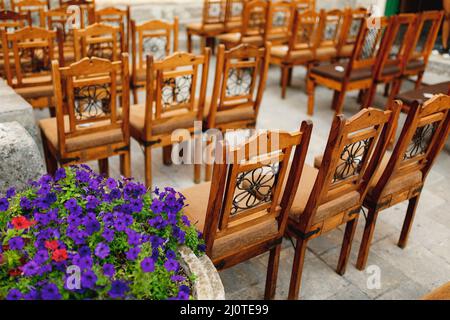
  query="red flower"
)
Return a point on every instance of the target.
[
  {"x": 52, "y": 245},
  {"x": 15, "y": 272},
  {"x": 21, "y": 222},
  {"x": 59, "y": 255}
]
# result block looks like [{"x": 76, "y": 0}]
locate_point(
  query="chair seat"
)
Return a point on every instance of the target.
[
  {"x": 50, "y": 130},
  {"x": 415, "y": 64},
  {"x": 197, "y": 198},
  {"x": 176, "y": 119},
  {"x": 282, "y": 51},
  {"x": 235, "y": 37},
  {"x": 421, "y": 95},
  {"x": 330, "y": 71},
  {"x": 35, "y": 91},
  {"x": 346, "y": 50},
  {"x": 231, "y": 115},
  {"x": 210, "y": 27},
  {"x": 327, "y": 209},
  {"x": 325, "y": 53},
  {"x": 233, "y": 25}
]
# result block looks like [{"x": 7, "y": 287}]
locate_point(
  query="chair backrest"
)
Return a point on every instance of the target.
[
  {"x": 254, "y": 18},
  {"x": 330, "y": 28},
  {"x": 427, "y": 28},
  {"x": 33, "y": 50},
  {"x": 369, "y": 44},
  {"x": 233, "y": 11},
  {"x": 156, "y": 37},
  {"x": 172, "y": 86},
  {"x": 99, "y": 40},
  {"x": 240, "y": 79},
  {"x": 88, "y": 89},
  {"x": 423, "y": 136},
  {"x": 118, "y": 18},
  {"x": 213, "y": 11},
  {"x": 280, "y": 17},
  {"x": 34, "y": 7},
  {"x": 394, "y": 53},
  {"x": 353, "y": 152},
  {"x": 304, "y": 31},
  {"x": 353, "y": 19},
  {"x": 303, "y": 5},
  {"x": 11, "y": 20},
  {"x": 247, "y": 183}
]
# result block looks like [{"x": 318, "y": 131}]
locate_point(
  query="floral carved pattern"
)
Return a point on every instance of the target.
[
  {"x": 351, "y": 160},
  {"x": 280, "y": 19},
  {"x": 92, "y": 101},
  {"x": 155, "y": 46},
  {"x": 239, "y": 81},
  {"x": 254, "y": 187},
  {"x": 420, "y": 141},
  {"x": 177, "y": 90}
]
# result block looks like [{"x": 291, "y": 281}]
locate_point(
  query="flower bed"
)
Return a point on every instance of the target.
[{"x": 78, "y": 235}]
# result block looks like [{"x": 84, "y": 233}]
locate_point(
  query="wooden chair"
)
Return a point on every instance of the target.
[
  {"x": 29, "y": 71},
  {"x": 402, "y": 176},
  {"x": 441, "y": 293},
  {"x": 34, "y": 7},
  {"x": 304, "y": 5},
  {"x": 329, "y": 34},
  {"x": 419, "y": 48},
  {"x": 118, "y": 18},
  {"x": 333, "y": 194},
  {"x": 353, "y": 18},
  {"x": 239, "y": 84},
  {"x": 355, "y": 74},
  {"x": 280, "y": 18},
  {"x": 233, "y": 15},
  {"x": 300, "y": 49},
  {"x": 94, "y": 128},
  {"x": 171, "y": 103},
  {"x": 242, "y": 213},
  {"x": 99, "y": 40},
  {"x": 254, "y": 19},
  {"x": 157, "y": 38},
  {"x": 212, "y": 24},
  {"x": 393, "y": 55}
]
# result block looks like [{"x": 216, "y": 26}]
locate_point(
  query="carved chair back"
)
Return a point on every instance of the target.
[
  {"x": 254, "y": 18},
  {"x": 279, "y": 18},
  {"x": 88, "y": 90},
  {"x": 240, "y": 79},
  {"x": 213, "y": 11},
  {"x": 354, "y": 149},
  {"x": 34, "y": 7},
  {"x": 303, "y": 5},
  {"x": 425, "y": 34},
  {"x": 248, "y": 181},
  {"x": 353, "y": 19},
  {"x": 172, "y": 86},
  {"x": 33, "y": 49},
  {"x": 11, "y": 20},
  {"x": 99, "y": 40},
  {"x": 304, "y": 31},
  {"x": 233, "y": 13},
  {"x": 330, "y": 28},
  {"x": 118, "y": 18},
  {"x": 424, "y": 134}
]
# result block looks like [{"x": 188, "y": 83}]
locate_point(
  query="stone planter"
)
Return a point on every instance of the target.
[{"x": 208, "y": 285}]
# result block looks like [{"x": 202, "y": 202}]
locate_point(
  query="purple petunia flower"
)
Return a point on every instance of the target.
[
  {"x": 11, "y": 192},
  {"x": 157, "y": 206},
  {"x": 41, "y": 256},
  {"x": 88, "y": 279},
  {"x": 14, "y": 294},
  {"x": 31, "y": 269},
  {"x": 70, "y": 204},
  {"x": 50, "y": 292},
  {"x": 108, "y": 235},
  {"x": 4, "y": 204},
  {"x": 118, "y": 289},
  {"x": 109, "y": 270},
  {"x": 25, "y": 203},
  {"x": 84, "y": 251},
  {"x": 16, "y": 243},
  {"x": 102, "y": 250},
  {"x": 111, "y": 183},
  {"x": 82, "y": 176},
  {"x": 60, "y": 174},
  {"x": 33, "y": 294},
  {"x": 171, "y": 265},
  {"x": 186, "y": 221},
  {"x": 177, "y": 278},
  {"x": 148, "y": 265},
  {"x": 84, "y": 262},
  {"x": 170, "y": 254},
  {"x": 133, "y": 253},
  {"x": 92, "y": 202}
]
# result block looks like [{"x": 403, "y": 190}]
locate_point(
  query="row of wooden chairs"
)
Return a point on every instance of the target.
[
  {"x": 175, "y": 99},
  {"x": 230, "y": 16},
  {"x": 261, "y": 196}
]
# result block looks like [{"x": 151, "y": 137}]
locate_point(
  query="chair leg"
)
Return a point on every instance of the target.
[
  {"x": 272, "y": 273},
  {"x": 335, "y": 97},
  {"x": 202, "y": 44},
  {"x": 297, "y": 269},
  {"x": 346, "y": 245},
  {"x": 339, "y": 102},
  {"x": 167, "y": 155},
  {"x": 103, "y": 167},
  {"x": 52, "y": 111},
  {"x": 367, "y": 239},
  {"x": 407, "y": 224},
  {"x": 361, "y": 95},
  {"x": 310, "y": 88},
  {"x": 419, "y": 80},
  {"x": 135, "y": 95},
  {"x": 370, "y": 96},
  {"x": 148, "y": 166},
  {"x": 208, "y": 172},
  {"x": 189, "y": 42},
  {"x": 197, "y": 159},
  {"x": 290, "y": 76},
  {"x": 284, "y": 80},
  {"x": 50, "y": 160},
  {"x": 125, "y": 164},
  {"x": 387, "y": 89}
]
